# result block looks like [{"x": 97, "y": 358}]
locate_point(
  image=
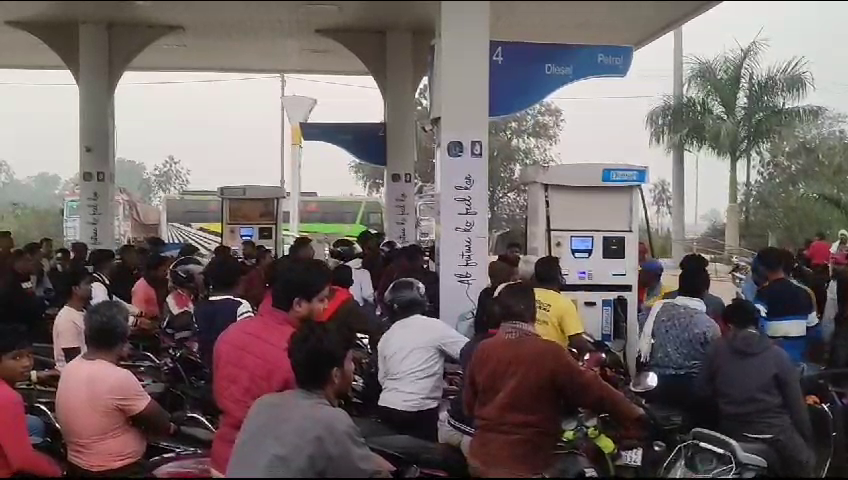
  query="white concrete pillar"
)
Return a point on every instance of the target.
[
  {"x": 97, "y": 127},
  {"x": 462, "y": 63},
  {"x": 97, "y": 54},
  {"x": 401, "y": 148}
]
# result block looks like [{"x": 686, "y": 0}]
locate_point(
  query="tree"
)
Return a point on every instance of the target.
[
  {"x": 526, "y": 138},
  {"x": 661, "y": 199},
  {"x": 169, "y": 178},
  {"x": 372, "y": 178},
  {"x": 132, "y": 176},
  {"x": 712, "y": 217},
  {"x": 733, "y": 107},
  {"x": 40, "y": 190},
  {"x": 30, "y": 224},
  {"x": 802, "y": 180}
]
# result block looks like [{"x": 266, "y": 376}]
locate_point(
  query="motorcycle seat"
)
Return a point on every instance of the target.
[
  {"x": 759, "y": 454},
  {"x": 372, "y": 427},
  {"x": 749, "y": 452},
  {"x": 668, "y": 417},
  {"x": 421, "y": 453},
  {"x": 200, "y": 435}
]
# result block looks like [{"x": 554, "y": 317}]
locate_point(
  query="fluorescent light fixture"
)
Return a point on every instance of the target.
[{"x": 324, "y": 8}]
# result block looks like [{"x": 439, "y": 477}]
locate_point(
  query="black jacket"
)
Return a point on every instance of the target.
[
  {"x": 756, "y": 385},
  {"x": 457, "y": 417},
  {"x": 18, "y": 303},
  {"x": 123, "y": 280}
]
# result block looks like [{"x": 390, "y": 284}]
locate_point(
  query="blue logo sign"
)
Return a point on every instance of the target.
[
  {"x": 624, "y": 176},
  {"x": 365, "y": 141},
  {"x": 455, "y": 149},
  {"x": 522, "y": 74}
]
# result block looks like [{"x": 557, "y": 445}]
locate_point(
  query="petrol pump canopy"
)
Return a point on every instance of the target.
[{"x": 271, "y": 37}]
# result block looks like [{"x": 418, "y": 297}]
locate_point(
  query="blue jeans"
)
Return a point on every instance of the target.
[{"x": 36, "y": 429}]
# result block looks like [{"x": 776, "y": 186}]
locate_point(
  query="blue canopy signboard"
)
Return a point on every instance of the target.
[
  {"x": 522, "y": 74},
  {"x": 365, "y": 141}
]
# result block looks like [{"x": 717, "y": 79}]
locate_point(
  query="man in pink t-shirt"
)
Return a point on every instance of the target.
[
  {"x": 99, "y": 404},
  {"x": 144, "y": 294}
]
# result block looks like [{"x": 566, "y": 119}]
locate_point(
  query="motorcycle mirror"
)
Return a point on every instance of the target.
[{"x": 644, "y": 382}]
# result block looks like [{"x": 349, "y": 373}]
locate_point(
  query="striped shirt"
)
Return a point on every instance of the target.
[{"x": 786, "y": 313}]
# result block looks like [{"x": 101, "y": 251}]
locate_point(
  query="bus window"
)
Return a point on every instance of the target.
[
  {"x": 337, "y": 212},
  {"x": 193, "y": 210},
  {"x": 372, "y": 216}
]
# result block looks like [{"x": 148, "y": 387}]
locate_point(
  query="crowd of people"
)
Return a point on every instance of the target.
[{"x": 277, "y": 333}]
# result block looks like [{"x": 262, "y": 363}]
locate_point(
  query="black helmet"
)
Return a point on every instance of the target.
[
  {"x": 406, "y": 295},
  {"x": 344, "y": 250},
  {"x": 388, "y": 247},
  {"x": 184, "y": 271}
]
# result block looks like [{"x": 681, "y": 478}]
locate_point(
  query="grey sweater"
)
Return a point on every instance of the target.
[{"x": 756, "y": 386}]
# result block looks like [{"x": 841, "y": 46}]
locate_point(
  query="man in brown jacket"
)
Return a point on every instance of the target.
[{"x": 518, "y": 388}]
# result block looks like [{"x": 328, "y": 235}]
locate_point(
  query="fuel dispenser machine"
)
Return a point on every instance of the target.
[
  {"x": 250, "y": 212},
  {"x": 588, "y": 216}
]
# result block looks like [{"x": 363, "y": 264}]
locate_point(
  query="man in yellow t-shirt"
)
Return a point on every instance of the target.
[{"x": 556, "y": 316}]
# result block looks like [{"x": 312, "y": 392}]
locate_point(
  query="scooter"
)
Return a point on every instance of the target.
[{"x": 707, "y": 453}]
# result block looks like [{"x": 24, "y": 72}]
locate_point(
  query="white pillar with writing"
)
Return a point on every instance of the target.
[
  {"x": 462, "y": 62},
  {"x": 97, "y": 150},
  {"x": 400, "y": 138},
  {"x": 97, "y": 55}
]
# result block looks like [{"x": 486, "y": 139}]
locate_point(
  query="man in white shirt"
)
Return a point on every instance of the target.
[
  {"x": 68, "y": 327},
  {"x": 347, "y": 253},
  {"x": 362, "y": 289},
  {"x": 411, "y": 361}
]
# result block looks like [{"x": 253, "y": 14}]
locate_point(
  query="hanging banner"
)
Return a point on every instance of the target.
[
  {"x": 522, "y": 74},
  {"x": 365, "y": 141}
]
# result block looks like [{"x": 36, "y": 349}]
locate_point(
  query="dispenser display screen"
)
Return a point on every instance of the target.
[
  {"x": 581, "y": 247},
  {"x": 246, "y": 233},
  {"x": 266, "y": 233}
]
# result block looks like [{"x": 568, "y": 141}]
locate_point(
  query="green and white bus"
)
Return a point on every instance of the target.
[{"x": 195, "y": 217}]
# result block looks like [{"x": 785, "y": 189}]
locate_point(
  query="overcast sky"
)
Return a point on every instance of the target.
[{"x": 229, "y": 132}]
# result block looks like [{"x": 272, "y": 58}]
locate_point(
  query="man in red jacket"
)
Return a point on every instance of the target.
[
  {"x": 251, "y": 356},
  {"x": 516, "y": 388}
]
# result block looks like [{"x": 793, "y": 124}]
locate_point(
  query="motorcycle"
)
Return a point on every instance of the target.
[
  {"x": 739, "y": 272},
  {"x": 408, "y": 454},
  {"x": 184, "y": 383},
  {"x": 708, "y": 453}
]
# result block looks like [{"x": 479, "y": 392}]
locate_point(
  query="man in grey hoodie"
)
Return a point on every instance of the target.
[{"x": 758, "y": 391}]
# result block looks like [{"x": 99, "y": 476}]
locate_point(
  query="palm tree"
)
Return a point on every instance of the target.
[
  {"x": 732, "y": 107},
  {"x": 661, "y": 199}
]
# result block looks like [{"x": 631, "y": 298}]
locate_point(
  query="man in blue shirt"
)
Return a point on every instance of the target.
[{"x": 787, "y": 311}]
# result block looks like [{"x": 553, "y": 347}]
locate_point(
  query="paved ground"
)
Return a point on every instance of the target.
[{"x": 720, "y": 284}]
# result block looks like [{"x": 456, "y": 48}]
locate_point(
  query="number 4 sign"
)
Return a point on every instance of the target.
[{"x": 498, "y": 56}]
